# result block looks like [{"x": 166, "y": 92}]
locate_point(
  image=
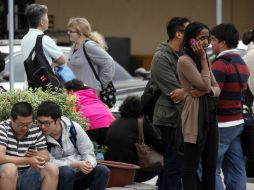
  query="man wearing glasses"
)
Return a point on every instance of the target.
[
  {"x": 17, "y": 170},
  {"x": 168, "y": 108},
  {"x": 76, "y": 160}
]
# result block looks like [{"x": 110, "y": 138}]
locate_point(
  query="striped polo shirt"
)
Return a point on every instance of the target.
[
  {"x": 229, "y": 108},
  {"x": 19, "y": 147}
]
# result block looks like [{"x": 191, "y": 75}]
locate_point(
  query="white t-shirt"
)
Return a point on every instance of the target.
[{"x": 50, "y": 49}]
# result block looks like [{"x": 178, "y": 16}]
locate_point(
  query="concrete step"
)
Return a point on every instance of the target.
[{"x": 135, "y": 186}]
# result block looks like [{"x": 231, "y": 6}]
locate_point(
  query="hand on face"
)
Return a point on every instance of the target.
[{"x": 198, "y": 49}]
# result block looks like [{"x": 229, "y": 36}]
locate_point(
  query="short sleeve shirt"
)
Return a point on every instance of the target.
[
  {"x": 19, "y": 147},
  {"x": 50, "y": 49}
]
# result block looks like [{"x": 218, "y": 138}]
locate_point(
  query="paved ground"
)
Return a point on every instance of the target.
[{"x": 149, "y": 185}]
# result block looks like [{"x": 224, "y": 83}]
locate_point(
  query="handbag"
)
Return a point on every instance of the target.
[
  {"x": 149, "y": 159},
  {"x": 247, "y": 137},
  {"x": 65, "y": 73},
  {"x": 108, "y": 94}
]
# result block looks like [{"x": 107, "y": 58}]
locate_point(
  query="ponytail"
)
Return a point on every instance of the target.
[{"x": 98, "y": 38}]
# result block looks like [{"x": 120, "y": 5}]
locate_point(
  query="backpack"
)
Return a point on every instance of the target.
[
  {"x": 72, "y": 137},
  {"x": 38, "y": 71},
  {"x": 148, "y": 100}
]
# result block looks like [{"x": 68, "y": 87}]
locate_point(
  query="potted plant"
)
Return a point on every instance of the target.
[{"x": 35, "y": 97}]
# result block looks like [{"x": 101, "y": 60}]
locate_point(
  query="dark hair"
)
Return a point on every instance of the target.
[
  {"x": 248, "y": 37},
  {"x": 192, "y": 31},
  {"x": 75, "y": 84},
  {"x": 49, "y": 108},
  {"x": 131, "y": 107},
  {"x": 174, "y": 25},
  {"x": 34, "y": 13},
  {"x": 2, "y": 62},
  {"x": 227, "y": 33},
  {"x": 21, "y": 109}
]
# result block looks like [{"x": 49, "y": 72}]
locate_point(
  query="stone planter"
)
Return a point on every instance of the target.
[{"x": 122, "y": 174}]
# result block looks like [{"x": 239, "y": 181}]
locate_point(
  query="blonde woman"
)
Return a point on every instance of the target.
[{"x": 83, "y": 38}]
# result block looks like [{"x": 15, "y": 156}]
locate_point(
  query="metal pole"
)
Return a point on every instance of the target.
[
  {"x": 218, "y": 11},
  {"x": 11, "y": 39}
]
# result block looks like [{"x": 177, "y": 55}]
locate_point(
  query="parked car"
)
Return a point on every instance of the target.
[{"x": 124, "y": 83}]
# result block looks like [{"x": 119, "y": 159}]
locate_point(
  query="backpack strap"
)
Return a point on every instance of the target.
[
  {"x": 73, "y": 136},
  {"x": 38, "y": 44}
]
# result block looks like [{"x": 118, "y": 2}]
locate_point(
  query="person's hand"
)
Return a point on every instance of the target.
[
  {"x": 197, "y": 93},
  {"x": 198, "y": 49},
  {"x": 31, "y": 153},
  {"x": 85, "y": 166},
  {"x": 37, "y": 162},
  {"x": 177, "y": 95}
]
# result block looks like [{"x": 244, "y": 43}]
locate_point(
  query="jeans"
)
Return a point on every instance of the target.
[
  {"x": 230, "y": 159},
  {"x": 96, "y": 180},
  {"x": 29, "y": 178},
  {"x": 172, "y": 172},
  {"x": 66, "y": 178}
]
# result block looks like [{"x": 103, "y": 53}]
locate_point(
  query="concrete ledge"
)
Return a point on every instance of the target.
[{"x": 135, "y": 186}]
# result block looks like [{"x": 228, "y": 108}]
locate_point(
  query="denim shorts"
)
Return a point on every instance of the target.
[{"x": 29, "y": 178}]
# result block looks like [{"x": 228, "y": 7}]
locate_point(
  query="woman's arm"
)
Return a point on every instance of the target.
[
  {"x": 199, "y": 81},
  {"x": 105, "y": 63}
]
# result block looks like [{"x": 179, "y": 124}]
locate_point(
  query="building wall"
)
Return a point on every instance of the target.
[{"x": 143, "y": 21}]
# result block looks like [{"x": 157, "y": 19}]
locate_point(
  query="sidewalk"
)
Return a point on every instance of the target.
[{"x": 149, "y": 185}]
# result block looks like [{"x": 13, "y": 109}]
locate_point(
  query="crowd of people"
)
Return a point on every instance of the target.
[{"x": 202, "y": 100}]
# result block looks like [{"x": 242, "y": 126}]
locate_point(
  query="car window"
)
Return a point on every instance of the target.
[
  {"x": 121, "y": 74},
  {"x": 19, "y": 71}
]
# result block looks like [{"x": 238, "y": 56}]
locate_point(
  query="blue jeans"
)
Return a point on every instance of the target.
[
  {"x": 96, "y": 180},
  {"x": 173, "y": 163},
  {"x": 230, "y": 159},
  {"x": 29, "y": 178}
]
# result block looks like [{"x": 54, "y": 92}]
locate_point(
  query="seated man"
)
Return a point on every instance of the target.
[
  {"x": 17, "y": 171},
  {"x": 71, "y": 149}
]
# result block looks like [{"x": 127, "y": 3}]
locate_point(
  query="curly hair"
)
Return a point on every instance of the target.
[{"x": 131, "y": 107}]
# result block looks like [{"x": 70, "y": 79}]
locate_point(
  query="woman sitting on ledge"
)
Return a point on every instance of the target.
[{"x": 123, "y": 134}]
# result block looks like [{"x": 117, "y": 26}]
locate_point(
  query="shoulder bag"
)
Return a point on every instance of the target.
[
  {"x": 108, "y": 94},
  {"x": 149, "y": 159}
]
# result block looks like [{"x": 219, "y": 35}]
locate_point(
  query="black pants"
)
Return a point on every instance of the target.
[
  {"x": 208, "y": 155},
  {"x": 98, "y": 135}
]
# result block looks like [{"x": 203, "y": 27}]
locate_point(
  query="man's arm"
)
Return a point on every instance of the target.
[
  {"x": 41, "y": 153},
  {"x": 165, "y": 74},
  {"x": 59, "y": 61},
  {"x": 35, "y": 162},
  {"x": 85, "y": 145},
  {"x": 50, "y": 48}
]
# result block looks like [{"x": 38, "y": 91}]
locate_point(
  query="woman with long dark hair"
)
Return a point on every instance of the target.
[{"x": 199, "y": 124}]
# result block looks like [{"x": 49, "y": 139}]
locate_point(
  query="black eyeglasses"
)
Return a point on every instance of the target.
[
  {"x": 21, "y": 125},
  {"x": 45, "y": 123}
]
